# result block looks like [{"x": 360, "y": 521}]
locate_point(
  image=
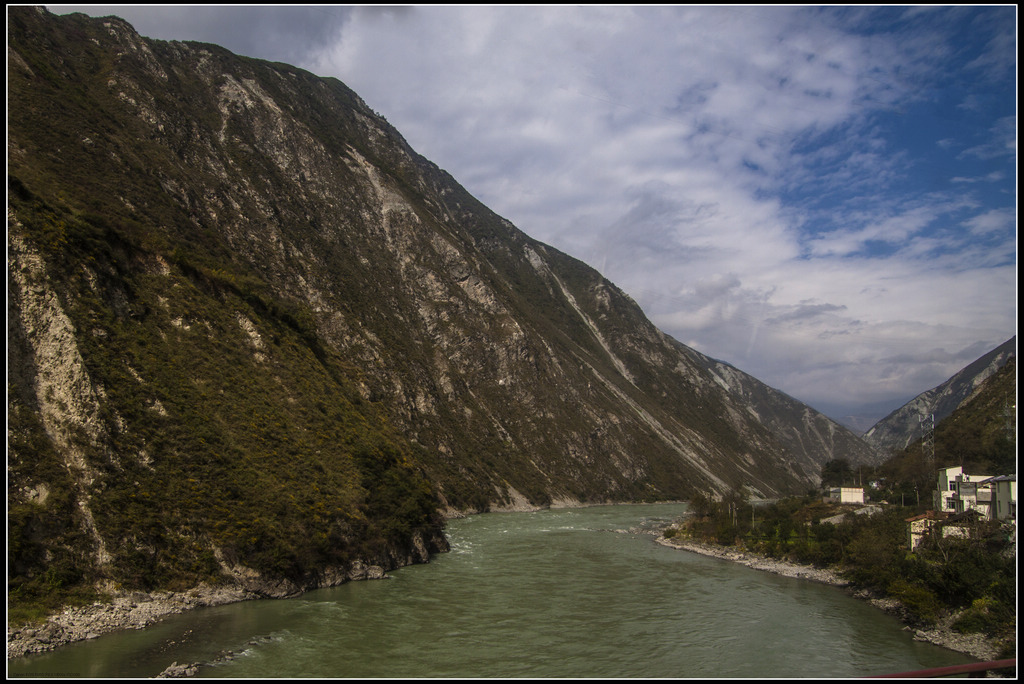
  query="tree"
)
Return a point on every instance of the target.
[
  {"x": 836, "y": 473},
  {"x": 701, "y": 505}
]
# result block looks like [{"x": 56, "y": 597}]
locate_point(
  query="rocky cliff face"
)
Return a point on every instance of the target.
[
  {"x": 904, "y": 425},
  {"x": 243, "y": 312}
]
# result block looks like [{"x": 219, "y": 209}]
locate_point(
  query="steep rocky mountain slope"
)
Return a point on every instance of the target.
[
  {"x": 904, "y": 425},
  {"x": 980, "y": 436},
  {"x": 252, "y": 334}
]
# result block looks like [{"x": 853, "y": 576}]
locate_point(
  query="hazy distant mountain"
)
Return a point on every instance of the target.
[
  {"x": 904, "y": 425},
  {"x": 253, "y": 335}
]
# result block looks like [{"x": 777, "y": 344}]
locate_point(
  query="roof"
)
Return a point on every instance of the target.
[
  {"x": 927, "y": 515},
  {"x": 969, "y": 515}
]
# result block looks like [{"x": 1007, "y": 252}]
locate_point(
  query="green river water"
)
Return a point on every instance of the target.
[{"x": 558, "y": 593}]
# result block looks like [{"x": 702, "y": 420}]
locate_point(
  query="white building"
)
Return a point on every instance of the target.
[
  {"x": 920, "y": 526},
  {"x": 945, "y": 490},
  {"x": 956, "y": 492},
  {"x": 846, "y": 495},
  {"x": 974, "y": 495},
  {"x": 1004, "y": 497}
]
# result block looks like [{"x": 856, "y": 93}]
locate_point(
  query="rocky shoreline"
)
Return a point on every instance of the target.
[
  {"x": 974, "y": 645},
  {"x": 136, "y": 610},
  {"x": 130, "y": 611}
]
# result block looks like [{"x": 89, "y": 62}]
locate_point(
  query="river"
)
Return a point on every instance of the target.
[{"x": 557, "y": 593}]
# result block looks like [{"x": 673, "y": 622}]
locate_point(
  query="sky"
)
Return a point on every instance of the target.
[{"x": 823, "y": 197}]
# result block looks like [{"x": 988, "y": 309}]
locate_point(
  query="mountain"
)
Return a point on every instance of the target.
[
  {"x": 901, "y": 427},
  {"x": 979, "y": 436},
  {"x": 254, "y": 337}
]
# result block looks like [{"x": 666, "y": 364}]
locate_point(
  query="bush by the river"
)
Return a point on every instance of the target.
[{"x": 972, "y": 578}]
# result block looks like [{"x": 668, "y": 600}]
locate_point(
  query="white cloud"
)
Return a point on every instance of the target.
[
  {"x": 993, "y": 221},
  {"x": 993, "y": 177}
]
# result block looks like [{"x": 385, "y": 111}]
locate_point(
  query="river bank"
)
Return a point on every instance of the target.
[
  {"x": 137, "y": 609},
  {"x": 974, "y": 645}
]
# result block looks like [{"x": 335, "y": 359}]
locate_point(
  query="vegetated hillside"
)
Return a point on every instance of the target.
[
  {"x": 980, "y": 436},
  {"x": 901, "y": 427},
  {"x": 251, "y": 329}
]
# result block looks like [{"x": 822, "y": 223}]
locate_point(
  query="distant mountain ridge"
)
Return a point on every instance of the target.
[
  {"x": 253, "y": 335},
  {"x": 903, "y": 426}
]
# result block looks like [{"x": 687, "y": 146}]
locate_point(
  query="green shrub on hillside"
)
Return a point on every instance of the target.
[
  {"x": 920, "y": 601},
  {"x": 209, "y": 437}
]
